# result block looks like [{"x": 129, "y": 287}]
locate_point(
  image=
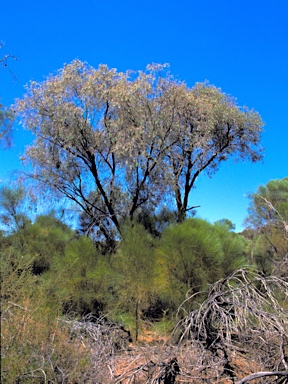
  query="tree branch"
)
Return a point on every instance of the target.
[{"x": 262, "y": 374}]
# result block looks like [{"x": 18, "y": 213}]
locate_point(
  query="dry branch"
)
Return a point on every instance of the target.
[
  {"x": 245, "y": 300},
  {"x": 263, "y": 374},
  {"x": 241, "y": 314}
]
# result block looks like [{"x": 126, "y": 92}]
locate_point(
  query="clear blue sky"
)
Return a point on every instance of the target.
[{"x": 240, "y": 46}]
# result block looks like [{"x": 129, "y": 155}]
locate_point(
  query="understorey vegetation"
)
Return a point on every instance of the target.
[{"x": 190, "y": 302}]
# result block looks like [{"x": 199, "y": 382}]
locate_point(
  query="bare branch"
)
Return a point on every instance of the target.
[{"x": 257, "y": 375}]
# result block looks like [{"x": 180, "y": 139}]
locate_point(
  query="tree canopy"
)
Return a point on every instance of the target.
[
  {"x": 115, "y": 143},
  {"x": 268, "y": 218},
  {"x": 269, "y": 205}
]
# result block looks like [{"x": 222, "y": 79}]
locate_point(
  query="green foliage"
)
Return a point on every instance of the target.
[
  {"x": 155, "y": 223},
  {"x": 134, "y": 268},
  {"x": 269, "y": 205},
  {"x": 16, "y": 274},
  {"x": 268, "y": 221},
  {"x": 134, "y": 261},
  {"x": 263, "y": 254},
  {"x": 234, "y": 247},
  {"x": 191, "y": 254},
  {"x": 196, "y": 253},
  {"x": 79, "y": 278},
  {"x": 48, "y": 271},
  {"x": 33, "y": 344},
  {"x": 42, "y": 240},
  {"x": 268, "y": 249},
  {"x": 12, "y": 203}
]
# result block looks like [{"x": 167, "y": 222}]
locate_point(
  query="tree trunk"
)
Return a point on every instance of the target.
[{"x": 137, "y": 321}]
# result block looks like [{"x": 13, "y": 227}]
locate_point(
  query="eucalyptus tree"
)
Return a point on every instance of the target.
[
  {"x": 211, "y": 129},
  {"x": 89, "y": 146},
  {"x": 116, "y": 143}
]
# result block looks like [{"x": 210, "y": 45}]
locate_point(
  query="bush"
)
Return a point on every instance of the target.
[
  {"x": 79, "y": 279},
  {"x": 196, "y": 253},
  {"x": 34, "y": 347}
]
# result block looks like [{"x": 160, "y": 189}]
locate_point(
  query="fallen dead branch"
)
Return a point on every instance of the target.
[
  {"x": 240, "y": 312},
  {"x": 257, "y": 375}
]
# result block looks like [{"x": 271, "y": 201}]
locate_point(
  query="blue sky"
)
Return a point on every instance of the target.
[{"x": 239, "y": 46}]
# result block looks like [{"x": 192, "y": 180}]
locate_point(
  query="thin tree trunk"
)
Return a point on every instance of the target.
[{"x": 137, "y": 321}]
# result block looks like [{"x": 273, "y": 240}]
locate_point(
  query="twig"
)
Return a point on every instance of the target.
[{"x": 262, "y": 374}]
